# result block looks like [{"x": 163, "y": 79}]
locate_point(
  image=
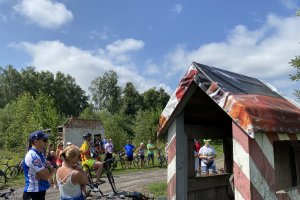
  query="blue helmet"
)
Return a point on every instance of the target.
[{"x": 86, "y": 135}]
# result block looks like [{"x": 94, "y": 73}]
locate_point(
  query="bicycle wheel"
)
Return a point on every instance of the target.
[
  {"x": 2, "y": 178},
  {"x": 136, "y": 162},
  {"x": 111, "y": 181},
  {"x": 123, "y": 165},
  {"x": 160, "y": 162},
  {"x": 11, "y": 172}
]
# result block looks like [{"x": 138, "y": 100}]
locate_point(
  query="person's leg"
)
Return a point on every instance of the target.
[
  {"x": 204, "y": 170},
  {"x": 99, "y": 167},
  {"x": 152, "y": 157}
]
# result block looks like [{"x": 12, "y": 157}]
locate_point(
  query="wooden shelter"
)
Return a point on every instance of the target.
[{"x": 259, "y": 128}]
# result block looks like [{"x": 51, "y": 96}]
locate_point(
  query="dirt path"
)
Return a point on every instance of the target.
[{"x": 124, "y": 182}]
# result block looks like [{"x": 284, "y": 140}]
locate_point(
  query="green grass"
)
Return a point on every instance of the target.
[{"x": 158, "y": 189}]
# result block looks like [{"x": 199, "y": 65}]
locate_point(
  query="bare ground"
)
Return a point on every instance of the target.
[{"x": 125, "y": 183}]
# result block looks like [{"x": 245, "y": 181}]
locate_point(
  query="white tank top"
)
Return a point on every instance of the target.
[{"x": 67, "y": 189}]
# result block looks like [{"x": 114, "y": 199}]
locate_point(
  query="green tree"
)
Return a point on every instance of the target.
[
  {"x": 11, "y": 85},
  {"x": 132, "y": 100},
  {"x": 296, "y": 77},
  {"x": 106, "y": 94},
  {"x": 114, "y": 128},
  {"x": 153, "y": 99},
  {"x": 69, "y": 98},
  {"x": 146, "y": 125},
  {"x": 29, "y": 114}
]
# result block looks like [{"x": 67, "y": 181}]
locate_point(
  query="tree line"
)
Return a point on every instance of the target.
[{"x": 32, "y": 100}]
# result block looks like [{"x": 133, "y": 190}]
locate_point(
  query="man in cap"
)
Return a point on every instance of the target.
[
  {"x": 36, "y": 169},
  {"x": 207, "y": 154}
]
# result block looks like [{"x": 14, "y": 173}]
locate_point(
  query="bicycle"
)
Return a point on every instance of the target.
[
  {"x": 8, "y": 195},
  {"x": 162, "y": 161},
  {"x": 10, "y": 170},
  {"x": 137, "y": 161},
  {"x": 2, "y": 177},
  {"x": 119, "y": 159},
  {"x": 107, "y": 167}
]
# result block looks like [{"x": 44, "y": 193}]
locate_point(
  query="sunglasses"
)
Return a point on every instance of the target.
[{"x": 45, "y": 140}]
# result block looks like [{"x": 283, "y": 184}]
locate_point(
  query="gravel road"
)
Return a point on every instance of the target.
[{"x": 131, "y": 182}]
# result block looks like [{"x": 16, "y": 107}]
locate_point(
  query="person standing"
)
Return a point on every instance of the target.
[
  {"x": 36, "y": 169},
  {"x": 51, "y": 157},
  {"x": 70, "y": 177},
  {"x": 207, "y": 154},
  {"x": 129, "y": 149},
  {"x": 141, "y": 152},
  {"x": 108, "y": 147},
  {"x": 59, "y": 148},
  {"x": 150, "y": 151},
  {"x": 197, "y": 146}
]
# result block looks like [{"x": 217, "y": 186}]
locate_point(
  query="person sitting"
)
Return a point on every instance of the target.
[
  {"x": 70, "y": 177},
  {"x": 86, "y": 158},
  {"x": 207, "y": 154}
]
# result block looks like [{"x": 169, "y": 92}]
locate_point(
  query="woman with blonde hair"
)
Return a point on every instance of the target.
[{"x": 70, "y": 177}]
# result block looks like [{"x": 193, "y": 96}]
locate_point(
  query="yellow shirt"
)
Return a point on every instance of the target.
[{"x": 85, "y": 151}]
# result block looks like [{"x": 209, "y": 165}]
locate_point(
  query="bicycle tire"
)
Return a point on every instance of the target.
[
  {"x": 111, "y": 180},
  {"x": 123, "y": 165},
  {"x": 11, "y": 172},
  {"x": 2, "y": 178}
]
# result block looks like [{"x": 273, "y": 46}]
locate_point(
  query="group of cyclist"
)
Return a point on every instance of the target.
[{"x": 70, "y": 176}]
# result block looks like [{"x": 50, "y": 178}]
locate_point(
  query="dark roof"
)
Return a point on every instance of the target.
[{"x": 248, "y": 101}]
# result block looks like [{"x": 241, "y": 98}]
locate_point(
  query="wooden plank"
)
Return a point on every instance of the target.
[
  {"x": 191, "y": 159},
  {"x": 181, "y": 158},
  {"x": 202, "y": 183}
]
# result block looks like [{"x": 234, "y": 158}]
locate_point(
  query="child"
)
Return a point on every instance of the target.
[{"x": 141, "y": 151}]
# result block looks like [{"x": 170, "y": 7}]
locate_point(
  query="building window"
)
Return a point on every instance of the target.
[{"x": 287, "y": 164}]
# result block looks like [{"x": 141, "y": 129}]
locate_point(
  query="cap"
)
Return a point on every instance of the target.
[
  {"x": 86, "y": 135},
  {"x": 68, "y": 143},
  {"x": 36, "y": 135},
  {"x": 207, "y": 140}
]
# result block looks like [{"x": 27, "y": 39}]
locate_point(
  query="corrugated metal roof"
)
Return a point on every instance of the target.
[{"x": 249, "y": 102}]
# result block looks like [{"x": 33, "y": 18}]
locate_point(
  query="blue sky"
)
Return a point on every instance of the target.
[{"x": 152, "y": 43}]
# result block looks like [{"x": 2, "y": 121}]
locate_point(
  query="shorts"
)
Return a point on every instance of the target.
[
  {"x": 129, "y": 158},
  {"x": 88, "y": 163},
  {"x": 142, "y": 157},
  {"x": 34, "y": 195},
  {"x": 209, "y": 168}
]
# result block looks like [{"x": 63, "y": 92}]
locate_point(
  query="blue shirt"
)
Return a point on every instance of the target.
[
  {"x": 34, "y": 162},
  {"x": 129, "y": 149}
]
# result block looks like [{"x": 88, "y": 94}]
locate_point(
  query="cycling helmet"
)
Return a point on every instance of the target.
[{"x": 86, "y": 135}]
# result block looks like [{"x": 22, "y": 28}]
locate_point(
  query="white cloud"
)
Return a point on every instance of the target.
[
  {"x": 289, "y": 4},
  {"x": 85, "y": 65},
  {"x": 126, "y": 45},
  {"x": 262, "y": 53},
  {"x": 151, "y": 68},
  {"x": 45, "y": 13},
  {"x": 104, "y": 34},
  {"x": 3, "y": 18},
  {"x": 177, "y": 9}
]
